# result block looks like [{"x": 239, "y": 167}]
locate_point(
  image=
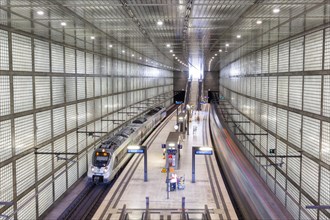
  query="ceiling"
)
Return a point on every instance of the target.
[{"x": 195, "y": 29}]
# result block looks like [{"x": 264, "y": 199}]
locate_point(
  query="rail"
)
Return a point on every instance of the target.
[{"x": 87, "y": 202}]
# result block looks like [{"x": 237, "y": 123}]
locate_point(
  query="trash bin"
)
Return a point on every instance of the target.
[{"x": 172, "y": 186}]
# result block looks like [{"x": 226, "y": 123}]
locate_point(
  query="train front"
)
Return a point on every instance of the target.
[{"x": 99, "y": 171}]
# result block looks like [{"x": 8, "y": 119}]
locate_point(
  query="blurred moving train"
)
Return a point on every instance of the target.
[
  {"x": 111, "y": 155},
  {"x": 252, "y": 195}
]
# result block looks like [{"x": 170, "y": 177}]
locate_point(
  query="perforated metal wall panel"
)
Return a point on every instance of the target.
[
  {"x": 325, "y": 147},
  {"x": 326, "y": 96},
  {"x": 80, "y": 62},
  {"x": 310, "y": 176},
  {"x": 295, "y": 92},
  {"x": 26, "y": 204},
  {"x": 42, "y": 91},
  {"x": 58, "y": 121},
  {"x": 327, "y": 49},
  {"x": 273, "y": 59},
  {"x": 47, "y": 97},
  {"x": 57, "y": 58},
  {"x": 41, "y": 56},
  {"x": 45, "y": 199},
  {"x": 283, "y": 90},
  {"x": 71, "y": 117},
  {"x": 43, "y": 120},
  {"x": 44, "y": 162},
  {"x": 4, "y": 95},
  {"x": 296, "y": 54},
  {"x": 5, "y": 139},
  {"x": 70, "y": 89},
  {"x": 58, "y": 90},
  {"x": 289, "y": 103},
  {"x": 60, "y": 183},
  {"x": 313, "y": 51},
  {"x": 23, "y": 93},
  {"x": 4, "y": 56},
  {"x": 24, "y": 135},
  {"x": 25, "y": 177},
  {"x": 283, "y": 57},
  {"x": 22, "y": 54},
  {"x": 6, "y": 183},
  {"x": 324, "y": 186},
  {"x": 312, "y": 94}
]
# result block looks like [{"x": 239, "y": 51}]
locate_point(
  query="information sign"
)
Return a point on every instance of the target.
[
  {"x": 137, "y": 151},
  {"x": 171, "y": 151},
  {"x": 203, "y": 152}
]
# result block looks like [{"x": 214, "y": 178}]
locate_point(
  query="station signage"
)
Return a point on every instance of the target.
[
  {"x": 203, "y": 152},
  {"x": 163, "y": 145},
  {"x": 171, "y": 151},
  {"x": 137, "y": 151}
]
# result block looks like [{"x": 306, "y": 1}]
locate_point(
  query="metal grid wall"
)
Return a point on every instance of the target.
[
  {"x": 49, "y": 91},
  {"x": 284, "y": 90}
]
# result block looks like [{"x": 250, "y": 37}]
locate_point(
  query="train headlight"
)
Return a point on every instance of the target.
[
  {"x": 105, "y": 169},
  {"x": 92, "y": 168}
]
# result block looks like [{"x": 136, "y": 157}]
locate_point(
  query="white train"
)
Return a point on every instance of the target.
[{"x": 112, "y": 155}]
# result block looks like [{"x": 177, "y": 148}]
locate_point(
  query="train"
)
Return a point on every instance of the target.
[
  {"x": 252, "y": 195},
  {"x": 111, "y": 154}
]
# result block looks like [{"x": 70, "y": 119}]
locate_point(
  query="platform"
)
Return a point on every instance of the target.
[{"x": 209, "y": 189}]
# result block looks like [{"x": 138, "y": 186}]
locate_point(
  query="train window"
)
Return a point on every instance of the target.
[
  {"x": 101, "y": 159},
  {"x": 139, "y": 121}
]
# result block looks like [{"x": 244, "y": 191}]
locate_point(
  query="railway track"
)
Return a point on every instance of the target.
[{"x": 87, "y": 202}]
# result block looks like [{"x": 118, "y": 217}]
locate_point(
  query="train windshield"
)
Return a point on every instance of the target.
[{"x": 101, "y": 159}]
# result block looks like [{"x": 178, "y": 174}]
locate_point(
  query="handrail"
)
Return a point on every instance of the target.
[
  {"x": 200, "y": 89},
  {"x": 207, "y": 214},
  {"x": 123, "y": 213},
  {"x": 187, "y": 95}
]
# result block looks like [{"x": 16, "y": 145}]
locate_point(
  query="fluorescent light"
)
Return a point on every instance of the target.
[
  {"x": 212, "y": 57},
  {"x": 92, "y": 37},
  {"x": 133, "y": 147},
  {"x": 63, "y": 23},
  {"x": 140, "y": 58},
  {"x": 173, "y": 55},
  {"x": 40, "y": 12},
  {"x": 168, "y": 45},
  {"x": 132, "y": 55},
  {"x": 171, "y": 145},
  {"x": 238, "y": 36},
  {"x": 227, "y": 45},
  {"x": 259, "y": 22},
  {"x": 216, "y": 54},
  {"x": 220, "y": 50},
  {"x": 159, "y": 23},
  {"x": 205, "y": 148},
  {"x": 276, "y": 10},
  {"x": 171, "y": 51},
  {"x": 110, "y": 45}
]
